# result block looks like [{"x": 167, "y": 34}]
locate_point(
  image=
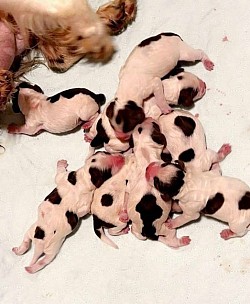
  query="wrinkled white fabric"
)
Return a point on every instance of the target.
[{"x": 209, "y": 270}]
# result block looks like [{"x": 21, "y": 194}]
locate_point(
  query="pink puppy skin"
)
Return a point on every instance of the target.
[
  {"x": 140, "y": 77},
  {"x": 186, "y": 141},
  {"x": 147, "y": 209},
  {"x": 57, "y": 114},
  {"x": 224, "y": 198},
  {"x": 182, "y": 89},
  {"x": 59, "y": 213}
]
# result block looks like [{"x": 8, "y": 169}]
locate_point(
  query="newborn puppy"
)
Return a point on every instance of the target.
[
  {"x": 180, "y": 89},
  {"x": 60, "y": 113},
  {"x": 224, "y": 198},
  {"x": 109, "y": 204},
  {"x": 141, "y": 76},
  {"x": 101, "y": 134},
  {"x": 147, "y": 209},
  {"x": 186, "y": 141},
  {"x": 59, "y": 213}
]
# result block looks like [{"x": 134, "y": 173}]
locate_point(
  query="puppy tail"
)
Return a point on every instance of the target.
[
  {"x": 99, "y": 231},
  {"x": 101, "y": 99}
]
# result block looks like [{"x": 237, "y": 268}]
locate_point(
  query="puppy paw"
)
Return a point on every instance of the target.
[
  {"x": 62, "y": 164},
  {"x": 227, "y": 234},
  {"x": 208, "y": 64},
  {"x": 87, "y": 138},
  {"x": 12, "y": 128},
  {"x": 185, "y": 240},
  {"x": 225, "y": 150}
]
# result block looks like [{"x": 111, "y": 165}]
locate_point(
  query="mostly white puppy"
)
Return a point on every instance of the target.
[
  {"x": 60, "y": 113},
  {"x": 59, "y": 213},
  {"x": 141, "y": 76},
  {"x": 110, "y": 202},
  {"x": 186, "y": 141},
  {"x": 180, "y": 89},
  {"x": 147, "y": 209},
  {"x": 224, "y": 198}
]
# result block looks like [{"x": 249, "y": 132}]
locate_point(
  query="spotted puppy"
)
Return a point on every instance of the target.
[
  {"x": 101, "y": 134},
  {"x": 60, "y": 113},
  {"x": 186, "y": 141},
  {"x": 180, "y": 89},
  {"x": 224, "y": 198},
  {"x": 109, "y": 204},
  {"x": 59, "y": 213},
  {"x": 141, "y": 76},
  {"x": 147, "y": 209}
]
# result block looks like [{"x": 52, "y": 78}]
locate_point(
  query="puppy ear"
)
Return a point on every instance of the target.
[
  {"x": 98, "y": 177},
  {"x": 110, "y": 110},
  {"x": 101, "y": 136},
  {"x": 186, "y": 97},
  {"x": 157, "y": 136}
]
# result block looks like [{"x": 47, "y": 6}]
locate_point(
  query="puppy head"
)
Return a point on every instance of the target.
[
  {"x": 167, "y": 178},
  {"x": 63, "y": 47},
  {"x": 148, "y": 134},
  {"x": 124, "y": 119},
  {"x": 6, "y": 87},
  {"x": 102, "y": 165},
  {"x": 184, "y": 89},
  {"x": 24, "y": 90}
]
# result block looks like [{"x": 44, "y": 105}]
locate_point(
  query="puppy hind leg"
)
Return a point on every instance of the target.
[
  {"x": 235, "y": 230},
  {"x": 171, "y": 240},
  {"x": 24, "y": 246},
  {"x": 187, "y": 53},
  {"x": 38, "y": 251},
  {"x": 47, "y": 259}
]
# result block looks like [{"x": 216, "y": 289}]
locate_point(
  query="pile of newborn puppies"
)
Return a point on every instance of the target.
[{"x": 156, "y": 160}]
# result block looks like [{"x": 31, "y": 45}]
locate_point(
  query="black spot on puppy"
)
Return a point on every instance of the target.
[
  {"x": 39, "y": 233},
  {"x": 157, "y": 136},
  {"x": 107, "y": 200},
  {"x": 213, "y": 204},
  {"x": 244, "y": 202},
  {"x": 149, "y": 212},
  {"x": 186, "y": 97},
  {"x": 140, "y": 130},
  {"x": 177, "y": 70},
  {"x": 187, "y": 156},
  {"x": 98, "y": 177},
  {"x": 72, "y": 219},
  {"x": 70, "y": 93},
  {"x": 149, "y": 40},
  {"x": 131, "y": 116},
  {"x": 186, "y": 124},
  {"x": 72, "y": 177},
  {"x": 166, "y": 157},
  {"x": 54, "y": 197},
  {"x": 101, "y": 136},
  {"x": 27, "y": 85}
]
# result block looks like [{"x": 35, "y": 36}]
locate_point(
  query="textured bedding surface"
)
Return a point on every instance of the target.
[{"x": 209, "y": 270}]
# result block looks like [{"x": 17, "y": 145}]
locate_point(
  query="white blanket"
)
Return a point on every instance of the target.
[{"x": 209, "y": 270}]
